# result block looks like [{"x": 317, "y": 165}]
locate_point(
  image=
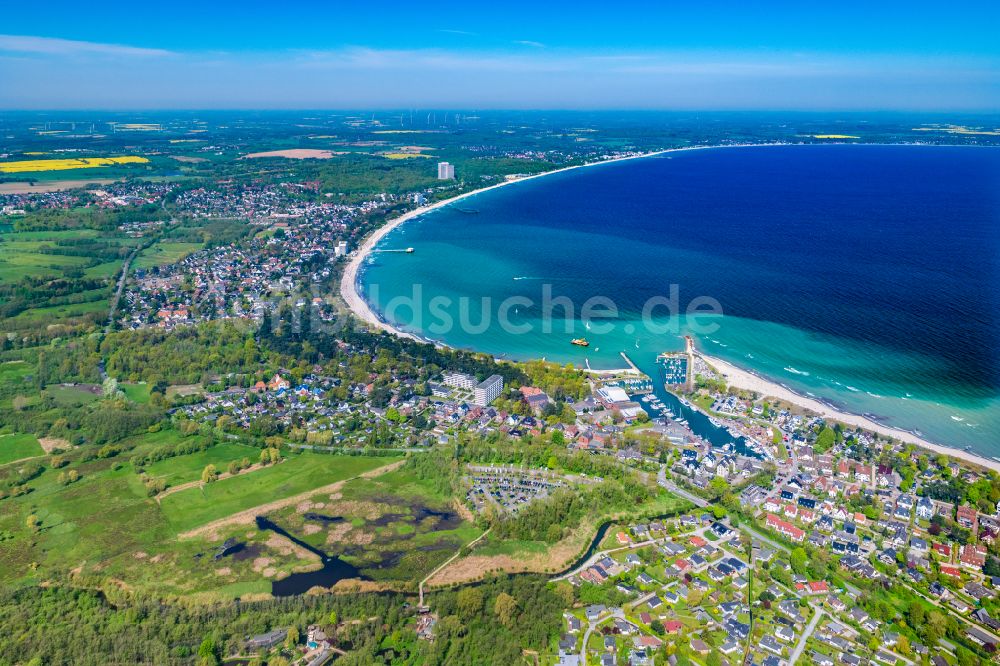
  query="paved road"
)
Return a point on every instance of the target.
[
  {"x": 805, "y": 636},
  {"x": 677, "y": 490}
]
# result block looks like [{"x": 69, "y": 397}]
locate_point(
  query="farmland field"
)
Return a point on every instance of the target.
[
  {"x": 106, "y": 521},
  {"x": 25, "y": 166},
  {"x": 23, "y": 254}
]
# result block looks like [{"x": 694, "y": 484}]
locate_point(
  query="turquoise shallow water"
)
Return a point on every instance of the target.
[{"x": 863, "y": 275}]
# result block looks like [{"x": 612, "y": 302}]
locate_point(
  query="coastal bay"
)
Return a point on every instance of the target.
[{"x": 851, "y": 331}]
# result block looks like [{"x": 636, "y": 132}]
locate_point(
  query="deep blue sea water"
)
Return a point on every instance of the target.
[{"x": 866, "y": 275}]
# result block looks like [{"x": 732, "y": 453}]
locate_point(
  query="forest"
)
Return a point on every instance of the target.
[{"x": 489, "y": 623}]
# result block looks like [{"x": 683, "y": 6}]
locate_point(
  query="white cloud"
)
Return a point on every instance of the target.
[
  {"x": 69, "y": 47},
  {"x": 528, "y": 42}
]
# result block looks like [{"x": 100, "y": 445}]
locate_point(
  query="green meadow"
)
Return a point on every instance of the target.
[
  {"x": 163, "y": 253},
  {"x": 137, "y": 393},
  {"x": 22, "y": 255},
  {"x": 105, "y": 523},
  {"x": 194, "y": 507},
  {"x": 182, "y": 469},
  {"x": 70, "y": 396},
  {"x": 15, "y": 446}
]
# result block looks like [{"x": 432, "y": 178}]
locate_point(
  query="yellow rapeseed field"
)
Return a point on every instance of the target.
[
  {"x": 24, "y": 166},
  {"x": 403, "y": 156}
]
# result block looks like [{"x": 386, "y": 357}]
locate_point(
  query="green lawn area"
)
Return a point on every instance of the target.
[
  {"x": 16, "y": 446},
  {"x": 14, "y": 372},
  {"x": 54, "y": 312},
  {"x": 17, "y": 262},
  {"x": 196, "y": 506},
  {"x": 106, "y": 524},
  {"x": 164, "y": 253},
  {"x": 105, "y": 270},
  {"x": 138, "y": 393},
  {"x": 182, "y": 469},
  {"x": 68, "y": 396}
]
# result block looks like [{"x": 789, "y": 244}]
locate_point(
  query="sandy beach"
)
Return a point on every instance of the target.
[{"x": 744, "y": 379}]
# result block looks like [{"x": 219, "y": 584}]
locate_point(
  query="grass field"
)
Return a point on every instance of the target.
[
  {"x": 16, "y": 446},
  {"x": 14, "y": 372},
  {"x": 105, "y": 524},
  {"x": 20, "y": 259},
  {"x": 197, "y": 506},
  {"x": 21, "y": 256},
  {"x": 69, "y": 396},
  {"x": 165, "y": 253},
  {"x": 182, "y": 469},
  {"x": 55, "y": 312},
  {"x": 137, "y": 393},
  {"x": 106, "y": 270}
]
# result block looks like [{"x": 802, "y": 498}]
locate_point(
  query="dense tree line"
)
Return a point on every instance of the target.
[
  {"x": 51, "y": 219},
  {"x": 487, "y": 624}
]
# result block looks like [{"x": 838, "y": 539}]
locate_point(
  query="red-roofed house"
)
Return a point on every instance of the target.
[
  {"x": 973, "y": 556},
  {"x": 954, "y": 572},
  {"x": 785, "y": 528},
  {"x": 818, "y": 587},
  {"x": 967, "y": 517},
  {"x": 672, "y": 626}
]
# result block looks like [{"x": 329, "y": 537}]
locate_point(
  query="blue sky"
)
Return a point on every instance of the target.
[{"x": 663, "y": 55}]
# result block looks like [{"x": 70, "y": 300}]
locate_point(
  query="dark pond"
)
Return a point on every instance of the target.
[{"x": 333, "y": 570}]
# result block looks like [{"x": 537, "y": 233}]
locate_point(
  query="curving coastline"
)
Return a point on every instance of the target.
[
  {"x": 751, "y": 381},
  {"x": 738, "y": 377},
  {"x": 349, "y": 280}
]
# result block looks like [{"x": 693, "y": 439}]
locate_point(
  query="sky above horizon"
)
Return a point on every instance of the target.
[{"x": 514, "y": 55}]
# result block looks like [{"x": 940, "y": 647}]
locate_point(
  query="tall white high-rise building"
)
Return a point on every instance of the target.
[
  {"x": 487, "y": 390},
  {"x": 446, "y": 171}
]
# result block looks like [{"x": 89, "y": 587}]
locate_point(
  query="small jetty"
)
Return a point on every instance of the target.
[
  {"x": 408, "y": 250},
  {"x": 629, "y": 362}
]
